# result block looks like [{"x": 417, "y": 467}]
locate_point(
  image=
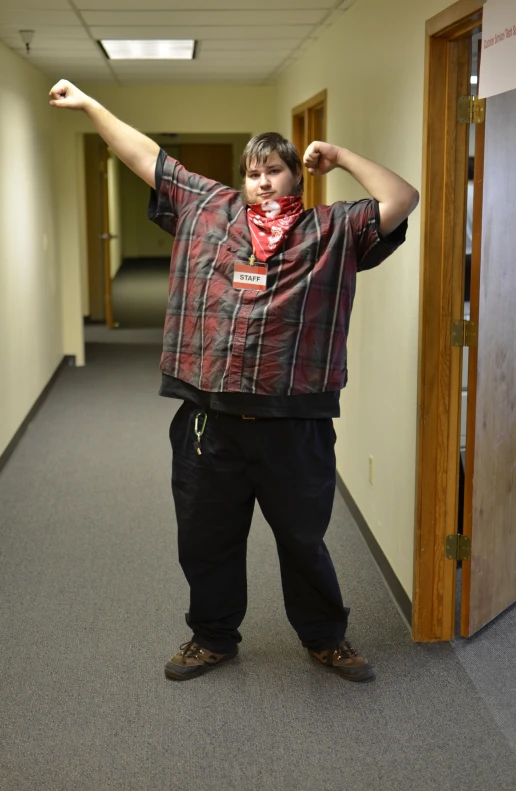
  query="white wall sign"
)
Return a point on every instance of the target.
[{"x": 498, "y": 57}]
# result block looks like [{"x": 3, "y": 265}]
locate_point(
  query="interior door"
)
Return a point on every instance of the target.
[
  {"x": 489, "y": 579},
  {"x": 212, "y": 160}
]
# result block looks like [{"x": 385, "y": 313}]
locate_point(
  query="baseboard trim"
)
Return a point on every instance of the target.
[
  {"x": 394, "y": 586},
  {"x": 8, "y": 452}
]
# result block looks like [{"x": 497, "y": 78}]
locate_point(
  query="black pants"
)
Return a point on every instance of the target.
[{"x": 288, "y": 465}]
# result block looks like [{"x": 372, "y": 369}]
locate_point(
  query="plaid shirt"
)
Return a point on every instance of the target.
[{"x": 287, "y": 340}]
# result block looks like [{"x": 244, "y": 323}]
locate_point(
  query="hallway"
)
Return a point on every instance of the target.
[
  {"x": 93, "y": 604},
  {"x": 139, "y": 292}
]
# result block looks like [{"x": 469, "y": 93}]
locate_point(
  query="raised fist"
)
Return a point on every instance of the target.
[
  {"x": 320, "y": 158},
  {"x": 65, "y": 94}
]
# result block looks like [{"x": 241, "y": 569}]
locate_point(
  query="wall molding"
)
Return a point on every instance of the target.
[
  {"x": 394, "y": 586},
  {"x": 8, "y": 452}
]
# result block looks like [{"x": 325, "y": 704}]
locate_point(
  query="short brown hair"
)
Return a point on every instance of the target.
[{"x": 259, "y": 148}]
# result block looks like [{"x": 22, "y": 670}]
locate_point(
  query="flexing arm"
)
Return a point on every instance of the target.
[
  {"x": 136, "y": 150},
  {"x": 397, "y": 199}
]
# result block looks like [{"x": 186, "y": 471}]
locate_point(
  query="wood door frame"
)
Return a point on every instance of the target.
[
  {"x": 93, "y": 202},
  {"x": 106, "y": 232},
  {"x": 441, "y": 300},
  {"x": 302, "y": 136}
]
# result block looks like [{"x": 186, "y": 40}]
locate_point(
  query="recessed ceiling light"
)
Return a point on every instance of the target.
[{"x": 148, "y": 49}]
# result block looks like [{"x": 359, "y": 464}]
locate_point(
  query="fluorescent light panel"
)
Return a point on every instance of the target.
[{"x": 149, "y": 49}]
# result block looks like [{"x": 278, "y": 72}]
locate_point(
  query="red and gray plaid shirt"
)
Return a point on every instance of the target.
[{"x": 287, "y": 340}]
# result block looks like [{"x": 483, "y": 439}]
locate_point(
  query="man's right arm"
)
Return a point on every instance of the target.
[{"x": 136, "y": 150}]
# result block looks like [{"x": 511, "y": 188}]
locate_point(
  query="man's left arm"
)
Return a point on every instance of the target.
[{"x": 396, "y": 198}]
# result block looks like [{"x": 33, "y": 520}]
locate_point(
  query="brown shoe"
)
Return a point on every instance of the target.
[
  {"x": 346, "y": 661},
  {"x": 193, "y": 660}
]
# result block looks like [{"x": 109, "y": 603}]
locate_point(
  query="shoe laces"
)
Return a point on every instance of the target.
[
  {"x": 191, "y": 650},
  {"x": 345, "y": 650}
]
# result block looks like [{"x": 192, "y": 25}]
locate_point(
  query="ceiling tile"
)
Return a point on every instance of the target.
[
  {"x": 282, "y": 32},
  {"x": 61, "y": 58},
  {"x": 191, "y": 18},
  {"x": 206, "y": 5},
  {"x": 46, "y": 5},
  {"x": 46, "y": 43},
  {"x": 74, "y": 73},
  {"x": 203, "y": 79},
  {"x": 33, "y": 17},
  {"x": 238, "y": 40},
  {"x": 55, "y": 31},
  {"x": 176, "y": 67},
  {"x": 238, "y": 56},
  {"x": 244, "y": 45}
]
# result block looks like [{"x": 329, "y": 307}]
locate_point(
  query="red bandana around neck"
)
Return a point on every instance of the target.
[{"x": 270, "y": 222}]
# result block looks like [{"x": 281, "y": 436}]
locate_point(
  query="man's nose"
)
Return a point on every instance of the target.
[{"x": 264, "y": 178}]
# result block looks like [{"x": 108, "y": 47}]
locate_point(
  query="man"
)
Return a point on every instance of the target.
[{"x": 261, "y": 293}]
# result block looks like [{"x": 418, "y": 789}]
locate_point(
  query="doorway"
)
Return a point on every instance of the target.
[
  {"x": 309, "y": 124},
  {"x": 480, "y": 537},
  {"x": 449, "y": 39}
]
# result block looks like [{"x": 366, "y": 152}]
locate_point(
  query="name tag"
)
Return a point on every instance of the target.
[{"x": 247, "y": 276}]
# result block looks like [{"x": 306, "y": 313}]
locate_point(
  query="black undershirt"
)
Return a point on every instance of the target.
[{"x": 306, "y": 405}]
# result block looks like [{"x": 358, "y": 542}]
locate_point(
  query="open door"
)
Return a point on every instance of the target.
[
  {"x": 489, "y": 577},
  {"x": 486, "y": 551}
]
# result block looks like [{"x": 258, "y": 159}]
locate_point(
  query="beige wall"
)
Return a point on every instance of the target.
[
  {"x": 114, "y": 172},
  {"x": 371, "y": 61},
  {"x": 188, "y": 108},
  {"x": 69, "y": 203},
  {"x": 30, "y": 295}
]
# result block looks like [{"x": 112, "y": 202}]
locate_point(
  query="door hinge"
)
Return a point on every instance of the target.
[
  {"x": 471, "y": 110},
  {"x": 464, "y": 333},
  {"x": 458, "y": 547}
]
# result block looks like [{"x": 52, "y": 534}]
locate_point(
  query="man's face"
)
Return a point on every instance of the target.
[{"x": 273, "y": 179}]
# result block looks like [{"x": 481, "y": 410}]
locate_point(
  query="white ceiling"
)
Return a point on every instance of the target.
[{"x": 248, "y": 41}]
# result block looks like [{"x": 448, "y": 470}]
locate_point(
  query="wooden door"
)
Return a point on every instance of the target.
[
  {"x": 489, "y": 576},
  {"x": 309, "y": 124},
  {"x": 443, "y": 209},
  {"x": 489, "y": 579},
  {"x": 212, "y": 160}
]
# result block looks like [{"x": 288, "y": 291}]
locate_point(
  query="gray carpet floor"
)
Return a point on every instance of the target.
[{"x": 93, "y": 602}]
